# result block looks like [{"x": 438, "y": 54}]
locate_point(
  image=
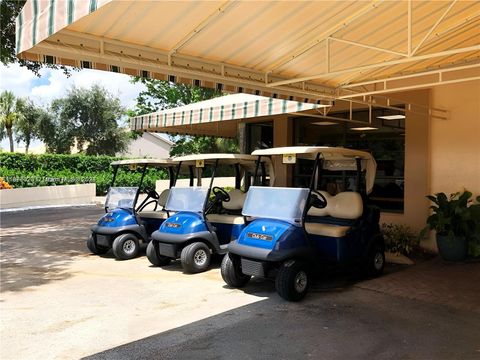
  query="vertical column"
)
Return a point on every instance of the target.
[{"x": 282, "y": 136}]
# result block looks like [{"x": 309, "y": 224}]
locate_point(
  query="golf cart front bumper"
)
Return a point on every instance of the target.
[
  {"x": 171, "y": 245},
  {"x": 104, "y": 235},
  {"x": 259, "y": 262}
]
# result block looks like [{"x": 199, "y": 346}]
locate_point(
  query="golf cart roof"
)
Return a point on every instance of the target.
[
  {"x": 148, "y": 162},
  {"x": 224, "y": 159},
  {"x": 334, "y": 159},
  {"x": 310, "y": 152},
  {"x": 246, "y": 161}
]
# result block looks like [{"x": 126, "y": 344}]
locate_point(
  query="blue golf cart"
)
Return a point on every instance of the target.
[
  {"x": 125, "y": 224},
  {"x": 291, "y": 231},
  {"x": 205, "y": 219}
]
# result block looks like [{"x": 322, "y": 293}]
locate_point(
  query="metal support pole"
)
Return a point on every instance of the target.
[
  {"x": 238, "y": 178},
  {"x": 256, "y": 169},
  {"x": 139, "y": 187}
]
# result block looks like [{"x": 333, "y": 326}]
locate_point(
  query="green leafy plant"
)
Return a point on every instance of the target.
[
  {"x": 456, "y": 216},
  {"x": 450, "y": 214},
  {"x": 399, "y": 239}
]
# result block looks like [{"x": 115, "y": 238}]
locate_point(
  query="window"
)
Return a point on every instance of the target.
[
  {"x": 259, "y": 136},
  {"x": 384, "y": 138}
]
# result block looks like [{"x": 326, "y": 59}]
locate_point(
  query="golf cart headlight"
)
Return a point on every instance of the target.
[{"x": 108, "y": 219}]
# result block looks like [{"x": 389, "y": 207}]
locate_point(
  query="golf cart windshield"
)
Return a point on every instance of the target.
[
  {"x": 186, "y": 199},
  {"x": 276, "y": 203},
  {"x": 121, "y": 197}
]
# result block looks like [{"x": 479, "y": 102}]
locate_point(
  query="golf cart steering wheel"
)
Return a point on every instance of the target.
[
  {"x": 220, "y": 194},
  {"x": 317, "y": 200},
  {"x": 151, "y": 194}
]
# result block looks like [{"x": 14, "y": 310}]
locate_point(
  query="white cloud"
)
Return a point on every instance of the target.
[{"x": 54, "y": 84}]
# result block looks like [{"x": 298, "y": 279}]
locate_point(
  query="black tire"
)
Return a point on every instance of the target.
[
  {"x": 94, "y": 248},
  {"x": 195, "y": 258},
  {"x": 375, "y": 261},
  {"x": 126, "y": 247},
  {"x": 232, "y": 272},
  {"x": 292, "y": 281},
  {"x": 154, "y": 257}
]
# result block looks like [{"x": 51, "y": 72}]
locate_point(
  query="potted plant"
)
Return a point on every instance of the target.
[{"x": 455, "y": 223}]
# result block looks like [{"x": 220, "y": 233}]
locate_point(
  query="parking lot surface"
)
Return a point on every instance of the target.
[{"x": 58, "y": 301}]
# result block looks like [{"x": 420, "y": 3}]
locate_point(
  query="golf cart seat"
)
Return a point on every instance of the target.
[
  {"x": 335, "y": 219},
  {"x": 237, "y": 199},
  {"x": 158, "y": 214}
]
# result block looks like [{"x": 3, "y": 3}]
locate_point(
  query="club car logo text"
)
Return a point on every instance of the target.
[
  {"x": 173, "y": 225},
  {"x": 259, "y": 236}
]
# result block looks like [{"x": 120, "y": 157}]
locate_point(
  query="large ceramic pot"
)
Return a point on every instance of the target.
[{"x": 452, "y": 249}]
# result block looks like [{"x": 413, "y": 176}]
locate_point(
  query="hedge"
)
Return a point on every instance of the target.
[{"x": 21, "y": 170}]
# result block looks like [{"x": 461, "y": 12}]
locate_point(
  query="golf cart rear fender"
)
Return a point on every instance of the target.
[
  {"x": 207, "y": 237},
  {"x": 118, "y": 218},
  {"x": 137, "y": 230},
  {"x": 184, "y": 223},
  {"x": 272, "y": 234}
]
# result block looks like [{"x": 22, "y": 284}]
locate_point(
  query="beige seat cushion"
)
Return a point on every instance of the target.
[
  {"x": 237, "y": 199},
  {"x": 162, "y": 200},
  {"x": 326, "y": 229},
  {"x": 225, "y": 219},
  {"x": 345, "y": 205},
  {"x": 153, "y": 214}
]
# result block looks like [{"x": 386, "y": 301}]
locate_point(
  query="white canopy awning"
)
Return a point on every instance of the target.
[{"x": 307, "y": 49}]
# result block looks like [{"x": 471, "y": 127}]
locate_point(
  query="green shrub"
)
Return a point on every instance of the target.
[
  {"x": 399, "y": 239},
  {"x": 22, "y": 170}
]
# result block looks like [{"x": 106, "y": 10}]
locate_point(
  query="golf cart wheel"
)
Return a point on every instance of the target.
[
  {"x": 195, "y": 257},
  {"x": 232, "y": 273},
  {"x": 154, "y": 257},
  {"x": 292, "y": 280},
  {"x": 94, "y": 248},
  {"x": 375, "y": 262},
  {"x": 125, "y": 246}
]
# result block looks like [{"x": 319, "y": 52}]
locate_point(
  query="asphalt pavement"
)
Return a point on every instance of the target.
[{"x": 58, "y": 301}]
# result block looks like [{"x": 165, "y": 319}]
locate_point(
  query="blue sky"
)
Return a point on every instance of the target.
[{"x": 54, "y": 84}]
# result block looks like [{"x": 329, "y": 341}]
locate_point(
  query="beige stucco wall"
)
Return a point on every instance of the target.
[{"x": 455, "y": 143}]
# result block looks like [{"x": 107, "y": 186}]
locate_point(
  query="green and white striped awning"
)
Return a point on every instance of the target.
[
  {"x": 40, "y": 19},
  {"x": 185, "y": 119}
]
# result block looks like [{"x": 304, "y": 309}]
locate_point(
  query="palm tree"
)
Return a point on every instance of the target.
[{"x": 9, "y": 113}]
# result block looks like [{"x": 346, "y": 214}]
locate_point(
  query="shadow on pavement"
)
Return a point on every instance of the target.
[
  {"x": 350, "y": 324},
  {"x": 36, "y": 246}
]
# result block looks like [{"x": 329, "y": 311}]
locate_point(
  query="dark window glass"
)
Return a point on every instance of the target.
[{"x": 260, "y": 136}]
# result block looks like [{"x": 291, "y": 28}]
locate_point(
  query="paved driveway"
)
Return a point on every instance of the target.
[{"x": 57, "y": 301}]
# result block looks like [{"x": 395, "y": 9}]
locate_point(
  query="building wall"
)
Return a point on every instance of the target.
[
  {"x": 147, "y": 145},
  {"x": 416, "y": 164},
  {"x": 440, "y": 155},
  {"x": 455, "y": 143}
]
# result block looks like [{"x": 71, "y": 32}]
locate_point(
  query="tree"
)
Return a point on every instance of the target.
[
  {"x": 10, "y": 112},
  {"x": 26, "y": 127},
  {"x": 57, "y": 135},
  {"x": 90, "y": 116},
  {"x": 9, "y": 10},
  {"x": 161, "y": 95}
]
